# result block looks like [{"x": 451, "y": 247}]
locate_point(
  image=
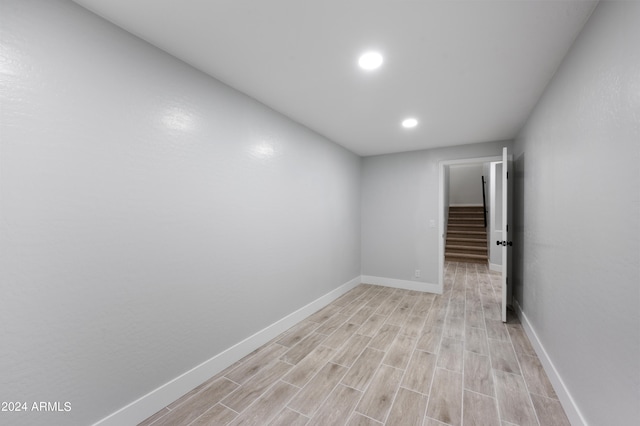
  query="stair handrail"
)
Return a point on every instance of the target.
[{"x": 484, "y": 203}]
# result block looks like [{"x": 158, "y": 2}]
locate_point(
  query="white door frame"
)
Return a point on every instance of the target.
[
  {"x": 493, "y": 232},
  {"x": 442, "y": 203}
]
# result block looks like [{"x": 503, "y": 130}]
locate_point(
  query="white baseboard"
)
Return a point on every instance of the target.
[
  {"x": 159, "y": 398},
  {"x": 403, "y": 284},
  {"x": 494, "y": 267},
  {"x": 570, "y": 408}
]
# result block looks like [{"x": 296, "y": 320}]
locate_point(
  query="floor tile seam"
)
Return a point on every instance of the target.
[
  {"x": 489, "y": 339},
  {"x": 295, "y": 411},
  {"x": 276, "y": 379},
  {"x": 270, "y": 419},
  {"x": 342, "y": 344},
  {"x": 493, "y": 338},
  {"x": 464, "y": 345},
  {"x": 504, "y": 371},
  {"x": 493, "y": 373},
  {"x": 292, "y": 384},
  {"x": 354, "y": 411},
  {"x": 413, "y": 390},
  {"x": 266, "y": 365},
  {"x": 199, "y": 392},
  {"x": 419, "y": 332},
  {"x": 364, "y": 415},
  {"x": 316, "y": 373},
  {"x": 492, "y": 370},
  {"x": 327, "y": 335},
  {"x": 543, "y": 395},
  {"x": 366, "y": 388},
  {"x": 255, "y": 401},
  {"x": 413, "y": 347},
  {"x": 348, "y": 366},
  {"x": 479, "y": 393},
  {"x": 288, "y": 362},
  {"x": 287, "y": 333},
  {"x": 310, "y": 416},
  {"x": 435, "y": 420},
  {"x": 526, "y": 384},
  {"x": 226, "y": 406},
  {"x": 158, "y": 419},
  {"x": 207, "y": 410},
  {"x": 416, "y": 305},
  {"x": 233, "y": 391},
  {"x": 427, "y": 352},
  {"x": 527, "y": 354},
  {"x": 404, "y": 373},
  {"x": 363, "y": 392},
  {"x": 393, "y": 400},
  {"x": 355, "y": 310},
  {"x": 257, "y": 398},
  {"x": 435, "y": 369},
  {"x": 244, "y": 363},
  {"x": 267, "y": 390}
]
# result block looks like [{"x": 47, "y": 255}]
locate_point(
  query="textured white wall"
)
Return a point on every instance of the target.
[
  {"x": 150, "y": 216},
  {"x": 465, "y": 184},
  {"x": 578, "y": 215},
  {"x": 399, "y": 197}
]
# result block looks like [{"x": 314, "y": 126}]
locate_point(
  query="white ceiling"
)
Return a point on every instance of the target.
[{"x": 469, "y": 70}]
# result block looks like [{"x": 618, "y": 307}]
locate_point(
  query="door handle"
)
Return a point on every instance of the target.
[{"x": 504, "y": 243}]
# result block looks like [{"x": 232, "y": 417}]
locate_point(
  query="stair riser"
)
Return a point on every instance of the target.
[
  {"x": 467, "y": 227},
  {"x": 478, "y": 243},
  {"x": 466, "y": 211},
  {"x": 463, "y": 251},
  {"x": 466, "y": 235}
]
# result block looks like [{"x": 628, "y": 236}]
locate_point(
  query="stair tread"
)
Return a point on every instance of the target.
[
  {"x": 466, "y": 258},
  {"x": 473, "y": 248},
  {"x": 471, "y": 256}
]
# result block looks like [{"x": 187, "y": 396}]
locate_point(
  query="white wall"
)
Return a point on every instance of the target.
[
  {"x": 150, "y": 217},
  {"x": 495, "y": 216},
  {"x": 578, "y": 271},
  {"x": 465, "y": 184},
  {"x": 399, "y": 198}
]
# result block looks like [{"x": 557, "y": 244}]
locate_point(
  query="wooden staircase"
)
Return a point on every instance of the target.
[{"x": 466, "y": 235}]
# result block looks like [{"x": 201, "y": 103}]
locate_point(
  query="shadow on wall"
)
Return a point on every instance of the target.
[{"x": 519, "y": 235}]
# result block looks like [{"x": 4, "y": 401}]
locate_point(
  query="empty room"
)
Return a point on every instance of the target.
[{"x": 356, "y": 212}]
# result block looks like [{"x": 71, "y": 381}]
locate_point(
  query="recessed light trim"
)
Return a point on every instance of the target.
[
  {"x": 409, "y": 123},
  {"x": 370, "y": 60}
]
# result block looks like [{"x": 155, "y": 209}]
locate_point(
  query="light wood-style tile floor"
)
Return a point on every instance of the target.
[{"x": 384, "y": 356}]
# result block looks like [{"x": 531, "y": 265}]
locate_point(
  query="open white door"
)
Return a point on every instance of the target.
[{"x": 506, "y": 242}]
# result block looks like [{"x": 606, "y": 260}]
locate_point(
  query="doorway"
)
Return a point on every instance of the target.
[{"x": 445, "y": 195}]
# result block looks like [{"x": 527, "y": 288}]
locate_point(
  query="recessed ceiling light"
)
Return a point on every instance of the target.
[
  {"x": 370, "y": 60},
  {"x": 409, "y": 123}
]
